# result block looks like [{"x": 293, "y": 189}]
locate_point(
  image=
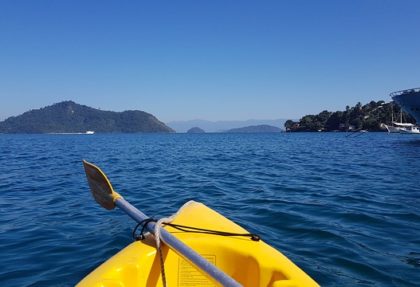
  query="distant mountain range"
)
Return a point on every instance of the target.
[
  {"x": 69, "y": 117},
  {"x": 221, "y": 126}
]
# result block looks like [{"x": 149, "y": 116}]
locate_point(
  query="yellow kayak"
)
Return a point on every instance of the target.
[
  {"x": 175, "y": 254},
  {"x": 251, "y": 263}
]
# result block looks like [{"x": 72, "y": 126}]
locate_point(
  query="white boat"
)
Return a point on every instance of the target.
[
  {"x": 80, "y": 133},
  {"x": 397, "y": 127},
  {"x": 400, "y": 127},
  {"x": 410, "y": 129},
  {"x": 403, "y": 128}
]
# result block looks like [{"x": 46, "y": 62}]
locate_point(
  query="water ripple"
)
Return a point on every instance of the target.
[{"x": 347, "y": 210}]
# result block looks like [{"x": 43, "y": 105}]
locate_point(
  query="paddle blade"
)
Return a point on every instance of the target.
[{"x": 100, "y": 186}]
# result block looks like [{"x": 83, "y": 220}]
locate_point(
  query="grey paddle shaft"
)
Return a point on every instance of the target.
[{"x": 179, "y": 247}]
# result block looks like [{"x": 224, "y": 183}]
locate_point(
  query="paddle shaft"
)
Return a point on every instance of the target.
[{"x": 179, "y": 247}]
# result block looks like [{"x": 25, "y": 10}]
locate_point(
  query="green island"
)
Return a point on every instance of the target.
[
  {"x": 369, "y": 117},
  {"x": 70, "y": 117},
  {"x": 255, "y": 129},
  {"x": 195, "y": 130}
]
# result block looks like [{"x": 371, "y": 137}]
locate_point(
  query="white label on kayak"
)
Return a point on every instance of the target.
[{"x": 188, "y": 275}]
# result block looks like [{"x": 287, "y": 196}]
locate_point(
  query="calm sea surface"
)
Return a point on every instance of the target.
[{"x": 346, "y": 209}]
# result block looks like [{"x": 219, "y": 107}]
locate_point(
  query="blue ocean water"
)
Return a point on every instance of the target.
[{"x": 346, "y": 209}]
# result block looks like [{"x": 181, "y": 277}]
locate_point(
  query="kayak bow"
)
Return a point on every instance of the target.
[{"x": 190, "y": 259}]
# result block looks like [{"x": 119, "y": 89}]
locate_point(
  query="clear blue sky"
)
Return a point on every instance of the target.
[{"x": 214, "y": 60}]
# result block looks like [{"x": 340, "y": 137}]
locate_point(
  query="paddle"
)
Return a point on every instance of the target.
[{"x": 105, "y": 195}]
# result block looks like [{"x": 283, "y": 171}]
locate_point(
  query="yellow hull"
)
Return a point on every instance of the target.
[{"x": 249, "y": 262}]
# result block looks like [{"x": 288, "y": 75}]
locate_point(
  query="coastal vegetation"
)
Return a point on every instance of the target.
[
  {"x": 70, "y": 117},
  {"x": 369, "y": 117}
]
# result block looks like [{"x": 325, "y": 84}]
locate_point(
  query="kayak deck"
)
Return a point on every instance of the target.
[{"x": 251, "y": 263}]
